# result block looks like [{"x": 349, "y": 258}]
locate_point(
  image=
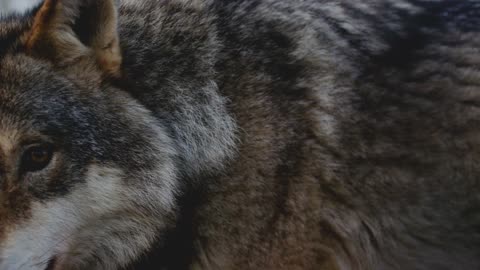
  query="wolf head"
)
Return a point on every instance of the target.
[{"x": 86, "y": 174}]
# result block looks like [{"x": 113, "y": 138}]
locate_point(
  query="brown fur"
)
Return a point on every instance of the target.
[{"x": 234, "y": 135}]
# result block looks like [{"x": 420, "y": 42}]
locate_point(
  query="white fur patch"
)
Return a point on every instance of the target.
[
  {"x": 50, "y": 230},
  {"x": 89, "y": 217}
]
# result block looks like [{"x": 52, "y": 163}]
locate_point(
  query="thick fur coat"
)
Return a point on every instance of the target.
[{"x": 246, "y": 134}]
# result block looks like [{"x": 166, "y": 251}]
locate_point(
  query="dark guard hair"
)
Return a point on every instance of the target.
[{"x": 269, "y": 134}]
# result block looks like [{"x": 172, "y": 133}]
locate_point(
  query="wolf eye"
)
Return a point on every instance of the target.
[{"x": 36, "y": 158}]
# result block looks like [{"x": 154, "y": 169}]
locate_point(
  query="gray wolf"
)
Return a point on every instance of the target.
[{"x": 268, "y": 134}]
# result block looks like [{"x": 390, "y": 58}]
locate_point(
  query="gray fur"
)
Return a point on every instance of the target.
[{"x": 272, "y": 134}]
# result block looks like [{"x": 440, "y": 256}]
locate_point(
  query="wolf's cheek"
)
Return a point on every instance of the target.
[
  {"x": 120, "y": 220},
  {"x": 85, "y": 229},
  {"x": 31, "y": 245},
  {"x": 53, "y": 227}
]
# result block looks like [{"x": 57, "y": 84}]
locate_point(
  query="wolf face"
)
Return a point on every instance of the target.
[{"x": 84, "y": 178}]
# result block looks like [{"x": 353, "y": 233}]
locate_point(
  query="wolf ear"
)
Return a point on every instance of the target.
[{"x": 68, "y": 32}]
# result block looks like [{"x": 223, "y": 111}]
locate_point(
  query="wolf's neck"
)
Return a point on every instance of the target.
[
  {"x": 169, "y": 67},
  {"x": 201, "y": 126}
]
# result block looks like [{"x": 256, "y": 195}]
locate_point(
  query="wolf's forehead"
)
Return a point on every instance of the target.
[
  {"x": 30, "y": 90},
  {"x": 13, "y": 131},
  {"x": 23, "y": 115},
  {"x": 15, "y": 107}
]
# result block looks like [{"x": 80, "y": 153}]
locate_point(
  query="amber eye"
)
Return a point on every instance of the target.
[{"x": 36, "y": 158}]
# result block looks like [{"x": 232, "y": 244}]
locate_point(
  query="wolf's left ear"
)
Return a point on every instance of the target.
[{"x": 77, "y": 31}]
